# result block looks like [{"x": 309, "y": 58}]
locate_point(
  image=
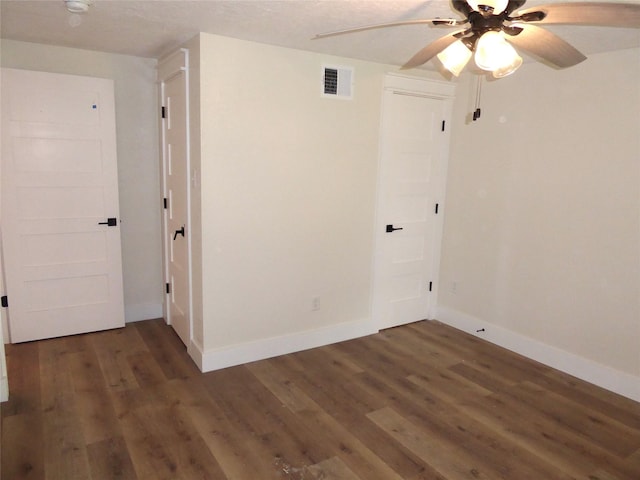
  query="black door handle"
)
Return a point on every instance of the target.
[
  {"x": 111, "y": 222},
  {"x": 390, "y": 228},
  {"x": 181, "y": 232}
]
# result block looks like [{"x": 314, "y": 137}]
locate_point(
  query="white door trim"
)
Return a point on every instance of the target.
[{"x": 419, "y": 87}]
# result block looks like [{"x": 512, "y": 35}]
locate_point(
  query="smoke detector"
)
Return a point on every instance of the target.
[{"x": 78, "y": 6}]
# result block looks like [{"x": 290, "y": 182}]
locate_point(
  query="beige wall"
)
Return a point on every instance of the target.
[
  {"x": 138, "y": 160},
  {"x": 542, "y": 226},
  {"x": 288, "y": 192},
  {"x": 288, "y": 189}
]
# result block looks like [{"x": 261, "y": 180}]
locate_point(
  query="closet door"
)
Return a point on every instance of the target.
[
  {"x": 413, "y": 155},
  {"x": 60, "y": 219},
  {"x": 173, "y": 76}
]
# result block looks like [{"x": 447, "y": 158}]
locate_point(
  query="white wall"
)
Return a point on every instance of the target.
[
  {"x": 288, "y": 197},
  {"x": 138, "y": 158},
  {"x": 542, "y": 226}
]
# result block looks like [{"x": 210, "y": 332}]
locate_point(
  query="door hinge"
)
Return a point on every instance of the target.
[
  {"x": 168, "y": 288},
  {"x": 165, "y": 203},
  {"x": 164, "y": 112},
  {"x": 443, "y": 124},
  {"x": 436, "y": 209},
  {"x": 4, "y": 301},
  {"x": 430, "y": 286}
]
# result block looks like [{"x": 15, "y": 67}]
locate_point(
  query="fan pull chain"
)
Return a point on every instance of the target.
[{"x": 477, "y": 112}]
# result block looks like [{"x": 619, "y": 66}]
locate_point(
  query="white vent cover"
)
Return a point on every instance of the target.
[{"x": 337, "y": 82}]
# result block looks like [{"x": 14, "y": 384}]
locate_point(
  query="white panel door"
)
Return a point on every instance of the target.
[
  {"x": 176, "y": 184},
  {"x": 411, "y": 149},
  {"x": 59, "y": 188}
]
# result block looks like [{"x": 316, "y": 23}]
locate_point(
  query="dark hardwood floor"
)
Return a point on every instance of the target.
[{"x": 418, "y": 402}]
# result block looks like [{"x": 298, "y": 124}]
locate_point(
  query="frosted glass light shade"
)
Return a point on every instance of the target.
[
  {"x": 498, "y": 5},
  {"x": 78, "y": 6},
  {"x": 494, "y": 53},
  {"x": 455, "y": 57},
  {"x": 508, "y": 69}
]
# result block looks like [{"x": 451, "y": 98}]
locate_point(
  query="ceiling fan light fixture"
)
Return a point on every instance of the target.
[
  {"x": 507, "y": 70},
  {"x": 497, "y": 5},
  {"x": 78, "y": 6},
  {"x": 455, "y": 57},
  {"x": 494, "y": 53}
]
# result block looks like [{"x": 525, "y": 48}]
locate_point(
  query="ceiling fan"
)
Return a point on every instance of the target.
[{"x": 493, "y": 27}]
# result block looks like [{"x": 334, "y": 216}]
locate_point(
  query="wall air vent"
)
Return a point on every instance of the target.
[{"x": 337, "y": 82}]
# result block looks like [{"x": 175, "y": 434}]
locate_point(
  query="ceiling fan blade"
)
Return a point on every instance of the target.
[
  {"x": 513, "y": 5},
  {"x": 589, "y": 13},
  {"x": 431, "y": 50},
  {"x": 462, "y": 6},
  {"x": 432, "y": 21},
  {"x": 546, "y": 45}
]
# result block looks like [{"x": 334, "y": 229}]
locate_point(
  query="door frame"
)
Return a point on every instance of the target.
[
  {"x": 176, "y": 63},
  {"x": 438, "y": 90}
]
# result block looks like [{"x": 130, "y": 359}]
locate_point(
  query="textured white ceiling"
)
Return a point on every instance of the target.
[{"x": 151, "y": 28}]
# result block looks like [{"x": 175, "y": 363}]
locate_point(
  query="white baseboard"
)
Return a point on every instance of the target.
[
  {"x": 4, "y": 389},
  {"x": 601, "y": 375},
  {"x": 142, "y": 311},
  {"x": 215, "y": 359}
]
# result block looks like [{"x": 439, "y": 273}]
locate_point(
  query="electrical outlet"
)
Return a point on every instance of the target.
[{"x": 315, "y": 303}]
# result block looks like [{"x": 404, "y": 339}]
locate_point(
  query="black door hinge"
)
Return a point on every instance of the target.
[
  {"x": 168, "y": 288},
  {"x": 430, "y": 286},
  {"x": 443, "y": 123},
  {"x": 165, "y": 203},
  {"x": 436, "y": 208},
  {"x": 4, "y": 301},
  {"x": 164, "y": 112}
]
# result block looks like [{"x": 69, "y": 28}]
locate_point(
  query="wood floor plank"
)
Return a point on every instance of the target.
[
  {"x": 485, "y": 379},
  {"x": 240, "y": 455},
  {"x": 539, "y": 433},
  {"x": 150, "y": 455},
  {"x": 93, "y": 404},
  {"x": 332, "y": 469},
  {"x": 145, "y": 369},
  {"x": 65, "y": 454},
  {"x": 194, "y": 460},
  {"x": 623, "y": 409},
  {"x": 414, "y": 343},
  {"x": 281, "y": 385},
  {"x": 109, "y": 459},
  {"x": 354, "y": 435},
  {"x": 25, "y": 379},
  {"x": 488, "y": 450},
  {"x": 257, "y": 409},
  {"x": 602, "y": 475},
  {"x": 417, "y": 402},
  {"x": 321, "y": 409},
  {"x": 23, "y": 447},
  {"x": 601, "y": 430},
  {"x": 451, "y": 462},
  {"x": 482, "y": 355},
  {"x": 168, "y": 351},
  {"x": 448, "y": 385},
  {"x": 112, "y": 347}
]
